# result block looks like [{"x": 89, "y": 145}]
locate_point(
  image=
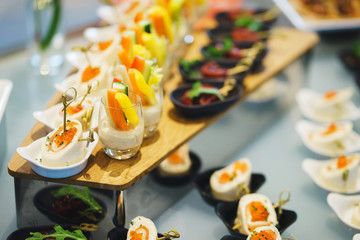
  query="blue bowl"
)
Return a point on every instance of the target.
[{"x": 204, "y": 110}]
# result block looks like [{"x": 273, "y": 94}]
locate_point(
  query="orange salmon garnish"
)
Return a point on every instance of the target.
[
  {"x": 224, "y": 178},
  {"x": 330, "y": 94},
  {"x": 140, "y": 233},
  {"x": 74, "y": 109},
  {"x": 331, "y": 129},
  {"x": 342, "y": 162},
  {"x": 61, "y": 139},
  {"x": 104, "y": 45},
  {"x": 89, "y": 73},
  {"x": 257, "y": 211},
  {"x": 241, "y": 166},
  {"x": 263, "y": 235},
  {"x": 175, "y": 158}
]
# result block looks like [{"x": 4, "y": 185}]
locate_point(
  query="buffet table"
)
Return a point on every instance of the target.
[{"x": 275, "y": 150}]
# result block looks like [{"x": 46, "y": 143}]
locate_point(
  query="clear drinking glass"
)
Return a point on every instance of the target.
[
  {"x": 119, "y": 143},
  {"x": 152, "y": 114},
  {"x": 46, "y": 36}
]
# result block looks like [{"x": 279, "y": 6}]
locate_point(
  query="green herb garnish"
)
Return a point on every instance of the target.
[
  {"x": 197, "y": 89},
  {"x": 59, "y": 234},
  {"x": 248, "y": 22},
  {"x": 187, "y": 67},
  {"x": 356, "y": 49},
  {"x": 84, "y": 195},
  {"x": 214, "y": 52}
]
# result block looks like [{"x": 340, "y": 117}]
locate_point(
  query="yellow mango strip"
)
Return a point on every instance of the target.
[
  {"x": 116, "y": 113},
  {"x": 161, "y": 22},
  {"x": 156, "y": 46},
  {"x": 127, "y": 107},
  {"x": 135, "y": 86},
  {"x": 145, "y": 89}
]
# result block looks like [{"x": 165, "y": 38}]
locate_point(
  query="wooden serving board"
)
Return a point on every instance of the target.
[{"x": 174, "y": 129}]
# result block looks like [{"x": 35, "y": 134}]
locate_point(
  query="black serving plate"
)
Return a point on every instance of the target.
[
  {"x": 178, "y": 180},
  {"x": 204, "y": 110},
  {"x": 121, "y": 234},
  {"x": 202, "y": 183},
  {"x": 196, "y": 68},
  {"x": 224, "y": 19},
  {"x": 257, "y": 64},
  {"x": 219, "y": 34},
  {"x": 23, "y": 233},
  {"x": 44, "y": 202},
  {"x": 227, "y": 213},
  {"x": 349, "y": 59}
]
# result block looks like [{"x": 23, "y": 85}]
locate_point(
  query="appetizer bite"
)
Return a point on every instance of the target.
[
  {"x": 265, "y": 233},
  {"x": 202, "y": 94},
  {"x": 329, "y": 106},
  {"x": 342, "y": 173},
  {"x": 232, "y": 182},
  {"x": 62, "y": 147},
  {"x": 178, "y": 164},
  {"x": 255, "y": 210},
  {"x": 121, "y": 124},
  {"x": 142, "y": 228},
  {"x": 69, "y": 204},
  {"x": 332, "y": 133}
]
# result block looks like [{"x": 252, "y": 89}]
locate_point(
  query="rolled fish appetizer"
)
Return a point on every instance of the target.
[
  {"x": 177, "y": 164},
  {"x": 255, "y": 210},
  {"x": 142, "y": 228},
  {"x": 231, "y": 182},
  {"x": 332, "y": 98},
  {"x": 265, "y": 233},
  {"x": 63, "y": 148},
  {"x": 342, "y": 172}
]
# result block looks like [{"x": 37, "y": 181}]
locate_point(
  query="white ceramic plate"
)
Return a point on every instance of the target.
[
  {"x": 305, "y": 128},
  {"x": 344, "y": 207},
  {"x": 48, "y": 116},
  {"x": 33, "y": 152},
  {"x": 267, "y": 92},
  {"x": 5, "y": 90},
  {"x": 356, "y": 236},
  {"x": 312, "y": 168},
  {"x": 305, "y": 98},
  {"x": 316, "y": 25}
]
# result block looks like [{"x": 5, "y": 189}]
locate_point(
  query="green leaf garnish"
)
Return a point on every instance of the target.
[
  {"x": 356, "y": 49},
  {"x": 59, "y": 234},
  {"x": 187, "y": 67},
  {"x": 84, "y": 195},
  {"x": 213, "y": 52},
  {"x": 197, "y": 89},
  {"x": 248, "y": 22}
]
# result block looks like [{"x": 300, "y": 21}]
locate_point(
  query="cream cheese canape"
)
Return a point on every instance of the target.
[
  {"x": 177, "y": 164},
  {"x": 142, "y": 228},
  {"x": 63, "y": 149},
  {"x": 228, "y": 183},
  {"x": 255, "y": 210}
]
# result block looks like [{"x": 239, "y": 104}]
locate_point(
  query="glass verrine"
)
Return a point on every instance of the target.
[
  {"x": 119, "y": 142},
  {"x": 152, "y": 109}
]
